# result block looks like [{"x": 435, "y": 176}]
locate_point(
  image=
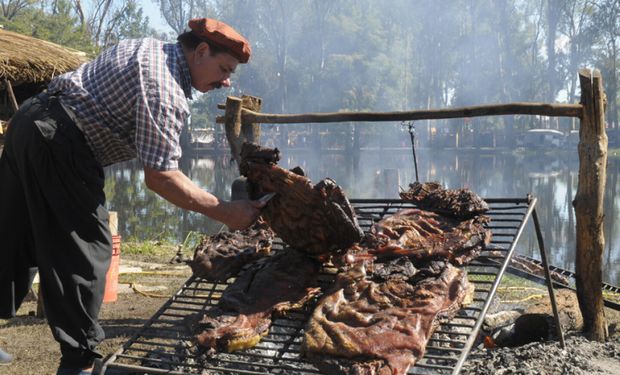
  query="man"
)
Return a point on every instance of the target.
[{"x": 129, "y": 102}]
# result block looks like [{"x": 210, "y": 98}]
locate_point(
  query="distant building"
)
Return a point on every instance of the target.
[{"x": 541, "y": 138}]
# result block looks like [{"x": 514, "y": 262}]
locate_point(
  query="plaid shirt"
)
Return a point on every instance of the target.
[{"x": 131, "y": 101}]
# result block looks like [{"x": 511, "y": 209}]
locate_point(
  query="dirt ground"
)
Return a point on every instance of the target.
[{"x": 30, "y": 340}]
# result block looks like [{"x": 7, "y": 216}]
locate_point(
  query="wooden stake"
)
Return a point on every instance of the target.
[
  {"x": 232, "y": 123},
  {"x": 588, "y": 204},
  {"x": 251, "y": 130},
  {"x": 12, "y": 99}
]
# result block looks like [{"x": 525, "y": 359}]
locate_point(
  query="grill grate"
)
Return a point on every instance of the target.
[{"x": 162, "y": 346}]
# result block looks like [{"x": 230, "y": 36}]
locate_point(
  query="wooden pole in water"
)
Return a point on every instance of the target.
[{"x": 588, "y": 204}]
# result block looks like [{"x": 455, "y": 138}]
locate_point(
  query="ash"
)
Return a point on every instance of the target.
[{"x": 541, "y": 358}]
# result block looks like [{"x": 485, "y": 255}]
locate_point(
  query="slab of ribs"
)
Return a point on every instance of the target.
[
  {"x": 272, "y": 285},
  {"x": 222, "y": 255},
  {"x": 424, "y": 235},
  {"x": 432, "y": 196},
  {"x": 316, "y": 219},
  {"x": 365, "y": 326}
]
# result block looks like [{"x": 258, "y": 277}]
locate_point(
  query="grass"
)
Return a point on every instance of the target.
[{"x": 160, "y": 250}]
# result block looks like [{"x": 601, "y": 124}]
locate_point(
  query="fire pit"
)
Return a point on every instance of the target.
[{"x": 163, "y": 345}]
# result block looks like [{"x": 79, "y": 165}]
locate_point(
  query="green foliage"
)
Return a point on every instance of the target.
[{"x": 60, "y": 27}]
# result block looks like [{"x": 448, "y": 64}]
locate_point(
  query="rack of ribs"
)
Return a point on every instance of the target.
[
  {"x": 424, "y": 235},
  {"x": 222, "y": 255},
  {"x": 366, "y": 326},
  {"x": 317, "y": 219},
  {"x": 458, "y": 203},
  {"x": 272, "y": 285}
]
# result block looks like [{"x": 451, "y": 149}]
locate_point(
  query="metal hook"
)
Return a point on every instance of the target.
[{"x": 411, "y": 129}]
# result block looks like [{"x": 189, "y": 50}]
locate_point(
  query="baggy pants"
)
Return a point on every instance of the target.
[{"x": 52, "y": 217}]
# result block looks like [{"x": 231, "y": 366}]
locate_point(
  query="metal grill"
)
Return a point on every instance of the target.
[
  {"x": 570, "y": 275},
  {"x": 162, "y": 345}
]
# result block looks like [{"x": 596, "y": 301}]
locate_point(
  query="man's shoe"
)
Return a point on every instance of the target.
[{"x": 5, "y": 358}]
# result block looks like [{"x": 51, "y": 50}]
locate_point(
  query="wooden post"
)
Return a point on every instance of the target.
[
  {"x": 113, "y": 222},
  {"x": 232, "y": 122},
  {"x": 40, "y": 310},
  {"x": 250, "y": 130},
  {"x": 588, "y": 204},
  {"x": 12, "y": 99}
]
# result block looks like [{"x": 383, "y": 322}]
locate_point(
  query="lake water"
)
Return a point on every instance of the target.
[{"x": 551, "y": 177}]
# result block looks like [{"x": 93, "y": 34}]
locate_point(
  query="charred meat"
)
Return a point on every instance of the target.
[
  {"x": 425, "y": 235},
  {"x": 458, "y": 203},
  {"x": 272, "y": 285},
  {"x": 221, "y": 256},
  {"x": 369, "y": 327},
  {"x": 316, "y": 219}
]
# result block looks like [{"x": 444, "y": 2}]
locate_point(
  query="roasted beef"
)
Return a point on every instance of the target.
[
  {"x": 272, "y": 285},
  {"x": 458, "y": 203},
  {"x": 222, "y": 255},
  {"x": 369, "y": 327},
  {"x": 316, "y": 219},
  {"x": 425, "y": 235}
]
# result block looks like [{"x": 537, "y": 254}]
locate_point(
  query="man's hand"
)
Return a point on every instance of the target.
[
  {"x": 178, "y": 189},
  {"x": 242, "y": 213}
]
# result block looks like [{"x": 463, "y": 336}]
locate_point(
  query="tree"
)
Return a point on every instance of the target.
[
  {"x": 607, "y": 26},
  {"x": 12, "y": 8},
  {"x": 107, "y": 21},
  {"x": 576, "y": 24},
  {"x": 58, "y": 25},
  {"x": 178, "y": 12}
]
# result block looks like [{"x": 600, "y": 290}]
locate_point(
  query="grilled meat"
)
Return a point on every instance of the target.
[
  {"x": 272, "y": 285},
  {"x": 458, "y": 203},
  {"x": 316, "y": 219},
  {"x": 424, "y": 235},
  {"x": 222, "y": 255},
  {"x": 368, "y": 327}
]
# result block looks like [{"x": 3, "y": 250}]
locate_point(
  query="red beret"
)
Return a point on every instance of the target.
[{"x": 223, "y": 36}]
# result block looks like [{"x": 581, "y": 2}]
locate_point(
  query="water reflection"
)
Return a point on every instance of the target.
[{"x": 551, "y": 177}]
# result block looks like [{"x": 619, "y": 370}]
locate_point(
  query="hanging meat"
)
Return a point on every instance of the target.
[
  {"x": 222, "y": 255},
  {"x": 381, "y": 327},
  {"x": 458, "y": 203},
  {"x": 425, "y": 235},
  {"x": 272, "y": 285},
  {"x": 316, "y": 219}
]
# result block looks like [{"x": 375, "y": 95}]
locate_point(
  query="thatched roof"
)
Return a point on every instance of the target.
[{"x": 24, "y": 59}]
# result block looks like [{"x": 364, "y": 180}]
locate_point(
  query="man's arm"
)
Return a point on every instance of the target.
[{"x": 177, "y": 188}]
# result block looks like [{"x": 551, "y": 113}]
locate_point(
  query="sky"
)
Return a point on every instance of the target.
[{"x": 151, "y": 10}]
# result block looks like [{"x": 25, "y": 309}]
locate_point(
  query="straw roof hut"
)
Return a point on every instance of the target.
[{"x": 27, "y": 64}]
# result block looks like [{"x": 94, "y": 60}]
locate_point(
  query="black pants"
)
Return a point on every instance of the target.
[{"x": 52, "y": 217}]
